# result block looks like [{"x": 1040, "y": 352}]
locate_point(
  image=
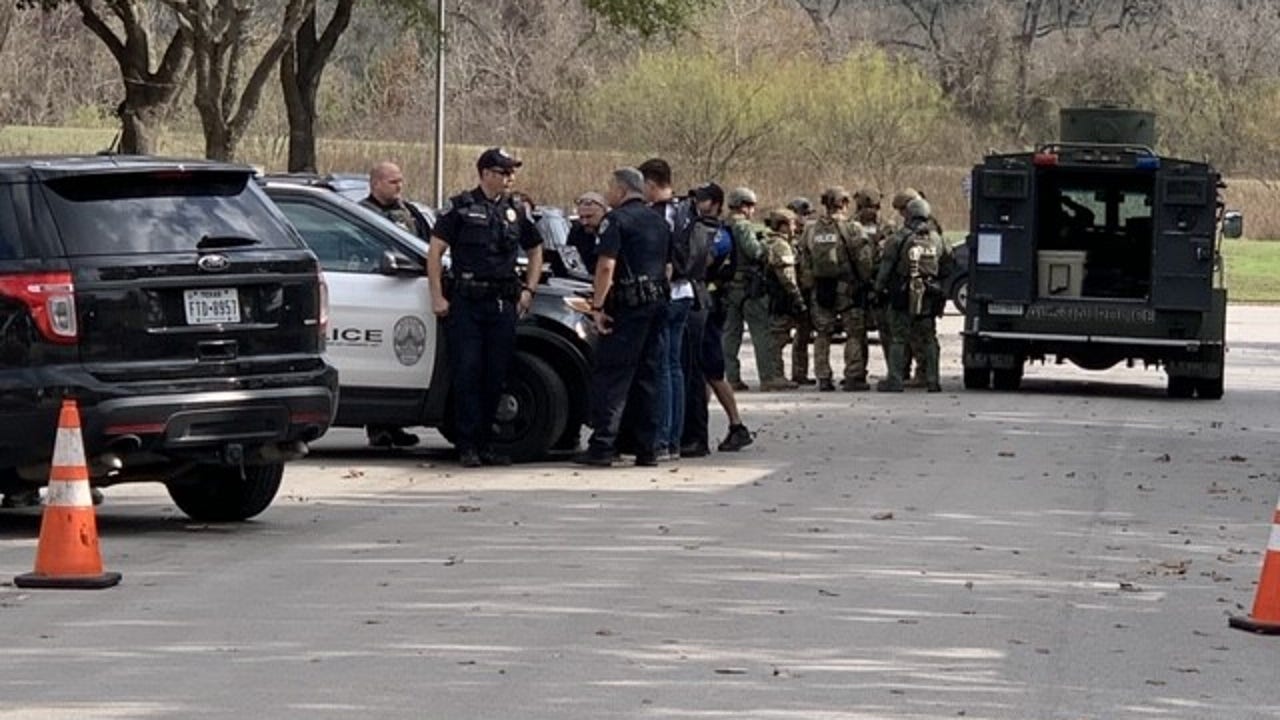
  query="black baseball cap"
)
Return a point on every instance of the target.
[
  {"x": 496, "y": 157},
  {"x": 708, "y": 191}
]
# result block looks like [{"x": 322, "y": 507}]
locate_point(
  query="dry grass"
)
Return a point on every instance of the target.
[{"x": 557, "y": 176}]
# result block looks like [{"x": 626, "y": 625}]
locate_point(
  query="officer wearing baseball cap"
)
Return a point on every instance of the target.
[{"x": 484, "y": 230}]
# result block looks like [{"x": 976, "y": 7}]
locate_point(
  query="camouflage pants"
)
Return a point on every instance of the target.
[
  {"x": 920, "y": 334},
  {"x": 854, "y": 321},
  {"x": 753, "y": 313},
  {"x": 885, "y": 330},
  {"x": 782, "y": 327}
]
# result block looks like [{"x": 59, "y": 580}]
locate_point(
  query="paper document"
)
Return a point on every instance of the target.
[{"x": 989, "y": 248}]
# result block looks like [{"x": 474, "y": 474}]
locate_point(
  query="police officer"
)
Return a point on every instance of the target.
[
  {"x": 484, "y": 230},
  {"x": 745, "y": 298},
  {"x": 803, "y": 324},
  {"x": 630, "y": 295},
  {"x": 841, "y": 261},
  {"x": 386, "y": 197},
  {"x": 910, "y": 272},
  {"x": 786, "y": 302}
]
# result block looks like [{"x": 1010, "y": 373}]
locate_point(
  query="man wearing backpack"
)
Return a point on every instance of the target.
[
  {"x": 745, "y": 297},
  {"x": 786, "y": 302},
  {"x": 914, "y": 263},
  {"x": 841, "y": 261}
]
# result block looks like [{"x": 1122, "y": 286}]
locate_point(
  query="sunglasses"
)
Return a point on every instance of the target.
[{"x": 505, "y": 172}]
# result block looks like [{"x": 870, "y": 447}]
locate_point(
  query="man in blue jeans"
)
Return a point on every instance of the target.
[{"x": 678, "y": 214}]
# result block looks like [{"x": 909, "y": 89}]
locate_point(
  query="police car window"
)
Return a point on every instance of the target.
[{"x": 341, "y": 245}]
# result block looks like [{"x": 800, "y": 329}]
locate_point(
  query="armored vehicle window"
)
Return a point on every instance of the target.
[
  {"x": 1185, "y": 191},
  {"x": 1101, "y": 223},
  {"x": 1004, "y": 185}
]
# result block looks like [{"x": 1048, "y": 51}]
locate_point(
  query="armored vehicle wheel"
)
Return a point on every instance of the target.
[
  {"x": 1181, "y": 387},
  {"x": 977, "y": 378},
  {"x": 1209, "y": 388},
  {"x": 1007, "y": 379}
]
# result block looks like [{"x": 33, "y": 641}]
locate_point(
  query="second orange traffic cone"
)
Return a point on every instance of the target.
[
  {"x": 1266, "y": 606},
  {"x": 68, "y": 554}
]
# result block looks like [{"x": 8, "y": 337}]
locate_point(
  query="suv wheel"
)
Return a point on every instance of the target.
[
  {"x": 534, "y": 410},
  {"x": 217, "y": 493}
]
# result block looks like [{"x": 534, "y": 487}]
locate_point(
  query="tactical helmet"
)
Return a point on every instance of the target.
[
  {"x": 918, "y": 209},
  {"x": 800, "y": 206},
  {"x": 741, "y": 196},
  {"x": 833, "y": 196},
  {"x": 779, "y": 219},
  {"x": 902, "y": 198},
  {"x": 867, "y": 199}
]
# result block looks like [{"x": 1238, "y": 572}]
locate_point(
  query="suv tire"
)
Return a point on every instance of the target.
[
  {"x": 541, "y": 409},
  {"x": 217, "y": 493}
]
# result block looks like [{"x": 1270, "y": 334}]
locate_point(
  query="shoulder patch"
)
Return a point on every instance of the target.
[{"x": 604, "y": 225}]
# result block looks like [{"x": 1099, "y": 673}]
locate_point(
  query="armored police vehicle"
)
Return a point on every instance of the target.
[{"x": 1097, "y": 250}]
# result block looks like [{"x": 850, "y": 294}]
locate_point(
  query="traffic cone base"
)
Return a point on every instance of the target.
[
  {"x": 1265, "y": 618},
  {"x": 67, "y": 555}
]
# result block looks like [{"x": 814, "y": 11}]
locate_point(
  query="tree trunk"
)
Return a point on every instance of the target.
[
  {"x": 137, "y": 128},
  {"x": 300, "y": 70}
]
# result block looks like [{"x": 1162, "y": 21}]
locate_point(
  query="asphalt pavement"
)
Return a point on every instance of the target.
[{"x": 1070, "y": 551}]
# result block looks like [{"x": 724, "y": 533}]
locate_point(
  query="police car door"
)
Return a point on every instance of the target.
[{"x": 382, "y": 335}]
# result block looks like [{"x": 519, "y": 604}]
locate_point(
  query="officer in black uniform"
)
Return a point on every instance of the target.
[
  {"x": 629, "y": 300},
  {"x": 484, "y": 230}
]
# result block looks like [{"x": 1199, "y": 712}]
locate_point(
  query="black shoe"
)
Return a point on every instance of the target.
[
  {"x": 739, "y": 386},
  {"x": 647, "y": 460},
  {"x": 489, "y": 457},
  {"x": 593, "y": 459},
  {"x": 400, "y": 438},
  {"x": 887, "y": 386},
  {"x": 935, "y": 387},
  {"x": 825, "y": 385},
  {"x": 854, "y": 385},
  {"x": 694, "y": 450},
  {"x": 804, "y": 381},
  {"x": 381, "y": 439},
  {"x": 470, "y": 459},
  {"x": 739, "y": 437}
]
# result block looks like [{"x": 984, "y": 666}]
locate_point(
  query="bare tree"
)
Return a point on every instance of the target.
[
  {"x": 126, "y": 28},
  {"x": 300, "y": 70},
  {"x": 222, "y": 40}
]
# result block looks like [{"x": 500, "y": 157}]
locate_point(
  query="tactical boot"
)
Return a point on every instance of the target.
[
  {"x": 489, "y": 457},
  {"x": 694, "y": 450},
  {"x": 888, "y": 386},
  {"x": 854, "y": 385},
  {"x": 935, "y": 387},
  {"x": 738, "y": 438},
  {"x": 739, "y": 386},
  {"x": 777, "y": 385},
  {"x": 594, "y": 459},
  {"x": 825, "y": 385},
  {"x": 470, "y": 459},
  {"x": 917, "y": 381},
  {"x": 804, "y": 381}
]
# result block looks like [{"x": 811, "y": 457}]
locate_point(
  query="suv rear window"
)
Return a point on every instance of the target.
[{"x": 151, "y": 212}]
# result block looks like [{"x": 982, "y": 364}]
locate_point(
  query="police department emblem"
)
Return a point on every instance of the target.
[
  {"x": 410, "y": 340},
  {"x": 511, "y": 214}
]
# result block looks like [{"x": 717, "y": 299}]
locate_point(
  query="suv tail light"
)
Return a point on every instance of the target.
[
  {"x": 51, "y": 300},
  {"x": 323, "y": 309}
]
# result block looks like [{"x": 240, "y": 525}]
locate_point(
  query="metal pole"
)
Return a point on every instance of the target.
[{"x": 439, "y": 200}]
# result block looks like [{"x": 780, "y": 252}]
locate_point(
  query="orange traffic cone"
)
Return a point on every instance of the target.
[
  {"x": 1266, "y": 607},
  {"x": 68, "y": 554}
]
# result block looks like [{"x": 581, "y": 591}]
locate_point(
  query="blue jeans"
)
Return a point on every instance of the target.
[{"x": 671, "y": 422}]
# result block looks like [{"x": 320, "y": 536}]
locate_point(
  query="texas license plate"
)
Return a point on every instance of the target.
[{"x": 212, "y": 306}]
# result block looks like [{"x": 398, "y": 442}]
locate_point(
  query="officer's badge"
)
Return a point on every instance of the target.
[{"x": 511, "y": 215}]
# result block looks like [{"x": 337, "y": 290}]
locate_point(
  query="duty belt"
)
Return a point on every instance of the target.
[
  {"x": 473, "y": 288},
  {"x": 639, "y": 291}
]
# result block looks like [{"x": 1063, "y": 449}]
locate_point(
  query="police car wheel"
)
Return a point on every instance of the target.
[
  {"x": 534, "y": 410},
  {"x": 218, "y": 493}
]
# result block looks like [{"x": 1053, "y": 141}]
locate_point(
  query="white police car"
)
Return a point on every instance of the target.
[{"x": 388, "y": 347}]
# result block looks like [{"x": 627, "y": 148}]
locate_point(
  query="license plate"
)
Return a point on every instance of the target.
[
  {"x": 1004, "y": 309},
  {"x": 213, "y": 306}
]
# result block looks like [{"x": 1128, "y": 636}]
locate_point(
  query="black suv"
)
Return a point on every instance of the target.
[{"x": 179, "y": 308}]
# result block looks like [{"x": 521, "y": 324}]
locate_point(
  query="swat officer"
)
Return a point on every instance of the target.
[
  {"x": 786, "y": 302},
  {"x": 745, "y": 299},
  {"x": 841, "y": 261},
  {"x": 910, "y": 272},
  {"x": 484, "y": 229},
  {"x": 803, "y": 324},
  {"x": 629, "y": 300},
  {"x": 386, "y": 197}
]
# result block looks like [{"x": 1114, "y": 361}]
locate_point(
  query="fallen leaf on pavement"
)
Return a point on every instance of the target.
[{"x": 882, "y": 516}]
